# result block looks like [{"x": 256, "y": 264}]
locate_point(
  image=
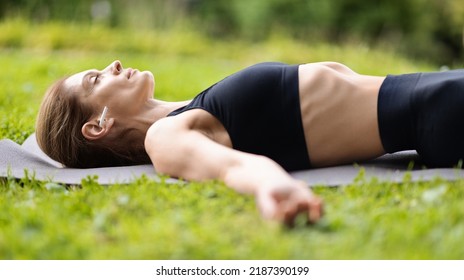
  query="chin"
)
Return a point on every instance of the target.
[
  {"x": 148, "y": 74},
  {"x": 146, "y": 82}
]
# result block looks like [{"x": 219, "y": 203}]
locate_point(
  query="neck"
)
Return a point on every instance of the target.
[
  {"x": 162, "y": 108},
  {"x": 154, "y": 110}
]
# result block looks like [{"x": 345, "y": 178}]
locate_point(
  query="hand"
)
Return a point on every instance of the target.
[{"x": 284, "y": 202}]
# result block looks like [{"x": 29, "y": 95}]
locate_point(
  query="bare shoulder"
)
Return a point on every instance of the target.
[
  {"x": 176, "y": 144},
  {"x": 193, "y": 120},
  {"x": 160, "y": 128},
  {"x": 162, "y": 125},
  {"x": 165, "y": 132},
  {"x": 164, "y": 144}
]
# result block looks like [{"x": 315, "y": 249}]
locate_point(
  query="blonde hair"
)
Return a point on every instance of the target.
[{"x": 58, "y": 132}]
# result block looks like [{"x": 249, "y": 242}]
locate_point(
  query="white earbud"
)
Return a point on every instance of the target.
[{"x": 102, "y": 118}]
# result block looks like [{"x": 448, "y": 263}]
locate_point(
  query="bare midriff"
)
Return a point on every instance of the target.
[{"x": 339, "y": 114}]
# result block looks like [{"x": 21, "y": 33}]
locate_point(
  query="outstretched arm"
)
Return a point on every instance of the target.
[{"x": 179, "y": 151}]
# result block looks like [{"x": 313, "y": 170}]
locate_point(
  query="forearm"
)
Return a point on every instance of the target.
[
  {"x": 278, "y": 195},
  {"x": 252, "y": 172}
]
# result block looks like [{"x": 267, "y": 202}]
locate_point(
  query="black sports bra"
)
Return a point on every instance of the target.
[{"x": 260, "y": 109}]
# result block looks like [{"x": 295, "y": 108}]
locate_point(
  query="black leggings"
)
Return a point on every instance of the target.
[{"x": 424, "y": 112}]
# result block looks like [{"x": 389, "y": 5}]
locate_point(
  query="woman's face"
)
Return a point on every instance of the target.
[{"x": 122, "y": 90}]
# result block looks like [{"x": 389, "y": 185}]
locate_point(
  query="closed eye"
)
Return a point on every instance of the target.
[
  {"x": 94, "y": 79},
  {"x": 90, "y": 80}
]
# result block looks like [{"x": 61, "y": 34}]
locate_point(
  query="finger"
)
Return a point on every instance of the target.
[
  {"x": 294, "y": 206},
  {"x": 267, "y": 206},
  {"x": 315, "y": 210},
  {"x": 291, "y": 209}
]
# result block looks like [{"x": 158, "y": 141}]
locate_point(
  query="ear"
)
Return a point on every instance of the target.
[{"x": 92, "y": 131}]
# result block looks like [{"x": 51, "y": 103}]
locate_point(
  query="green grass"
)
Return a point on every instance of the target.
[
  {"x": 148, "y": 220},
  {"x": 154, "y": 220}
]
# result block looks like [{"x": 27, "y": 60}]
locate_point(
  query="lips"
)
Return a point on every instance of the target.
[{"x": 131, "y": 72}]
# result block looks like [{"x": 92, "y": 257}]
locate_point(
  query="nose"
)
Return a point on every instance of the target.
[{"x": 115, "y": 67}]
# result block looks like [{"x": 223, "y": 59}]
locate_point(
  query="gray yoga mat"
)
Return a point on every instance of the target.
[{"x": 15, "y": 159}]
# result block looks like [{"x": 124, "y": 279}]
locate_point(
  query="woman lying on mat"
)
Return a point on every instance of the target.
[{"x": 254, "y": 126}]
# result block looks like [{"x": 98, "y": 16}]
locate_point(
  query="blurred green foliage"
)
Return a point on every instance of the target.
[{"x": 431, "y": 29}]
